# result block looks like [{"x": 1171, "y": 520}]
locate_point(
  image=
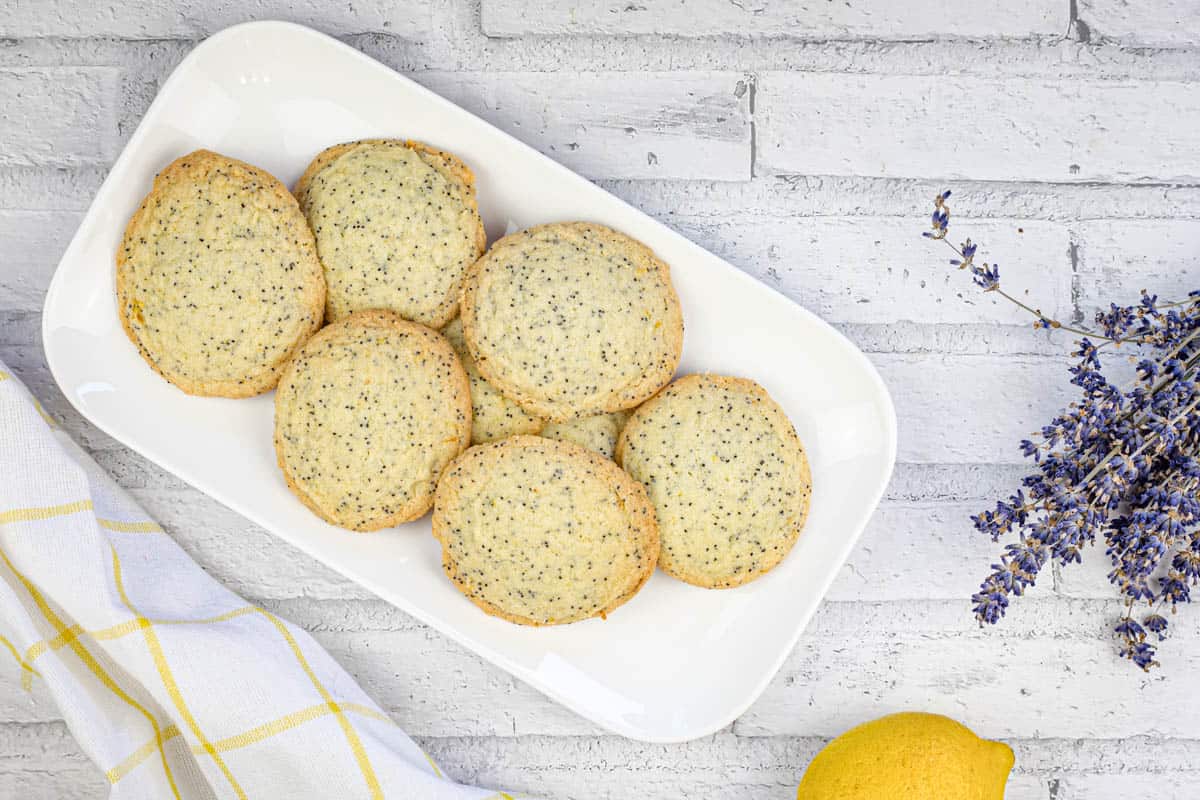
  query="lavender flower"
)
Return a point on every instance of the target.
[{"x": 1120, "y": 464}]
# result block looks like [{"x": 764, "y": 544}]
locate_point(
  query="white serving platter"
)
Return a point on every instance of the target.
[{"x": 676, "y": 662}]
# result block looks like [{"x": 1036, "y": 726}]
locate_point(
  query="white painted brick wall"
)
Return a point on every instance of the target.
[
  {"x": 949, "y": 127},
  {"x": 809, "y": 19},
  {"x": 1009, "y": 680},
  {"x": 617, "y": 125},
  {"x": 1163, "y": 23},
  {"x": 60, "y": 117},
  {"x": 153, "y": 19},
  {"x": 880, "y": 269},
  {"x": 1119, "y": 258},
  {"x": 34, "y": 240},
  {"x": 983, "y": 405},
  {"x": 803, "y": 142}
]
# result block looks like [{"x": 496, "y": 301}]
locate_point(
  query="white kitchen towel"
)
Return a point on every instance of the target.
[{"x": 174, "y": 686}]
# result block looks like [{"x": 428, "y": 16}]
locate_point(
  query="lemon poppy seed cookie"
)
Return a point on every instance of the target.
[
  {"x": 396, "y": 225},
  {"x": 540, "y": 532},
  {"x": 572, "y": 319},
  {"x": 493, "y": 415},
  {"x": 727, "y": 475},
  {"x": 218, "y": 281},
  {"x": 367, "y": 416},
  {"x": 599, "y": 433}
]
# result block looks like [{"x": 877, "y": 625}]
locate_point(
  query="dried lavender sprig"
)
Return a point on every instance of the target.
[
  {"x": 1118, "y": 463},
  {"x": 1067, "y": 525},
  {"x": 988, "y": 277}
]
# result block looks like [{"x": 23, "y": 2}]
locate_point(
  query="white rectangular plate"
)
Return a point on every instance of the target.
[{"x": 676, "y": 662}]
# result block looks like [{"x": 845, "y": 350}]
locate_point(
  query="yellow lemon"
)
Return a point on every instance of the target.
[{"x": 908, "y": 756}]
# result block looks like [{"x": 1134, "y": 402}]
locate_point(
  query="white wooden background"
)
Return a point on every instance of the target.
[{"x": 803, "y": 142}]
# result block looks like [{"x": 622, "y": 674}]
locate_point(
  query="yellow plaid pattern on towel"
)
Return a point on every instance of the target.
[{"x": 173, "y": 685}]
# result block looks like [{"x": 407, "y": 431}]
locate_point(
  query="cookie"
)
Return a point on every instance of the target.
[
  {"x": 543, "y": 533},
  {"x": 599, "y": 433},
  {"x": 367, "y": 416},
  {"x": 572, "y": 319},
  {"x": 494, "y": 415},
  {"x": 396, "y": 225},
  {"x": 218, "y": 282},
  {"x": 727, "y": 475}
]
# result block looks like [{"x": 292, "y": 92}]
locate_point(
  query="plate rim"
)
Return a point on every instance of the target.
[{"x": 882, "y": 395}]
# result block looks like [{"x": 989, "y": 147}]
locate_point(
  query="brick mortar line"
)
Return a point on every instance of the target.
[
  {"x": 876, "y": 56},
  {"x": 772, "y": 193},
  {"x": 61, "y": 726}
]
